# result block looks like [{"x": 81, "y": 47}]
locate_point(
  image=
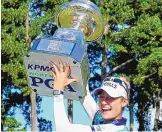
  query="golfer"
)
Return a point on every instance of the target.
[{"x": 113, "y": 97}]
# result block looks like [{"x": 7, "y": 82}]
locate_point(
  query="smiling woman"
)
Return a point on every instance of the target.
[
  {"x": 111, "y": 107},
  {"x": 111, "y": 103}
]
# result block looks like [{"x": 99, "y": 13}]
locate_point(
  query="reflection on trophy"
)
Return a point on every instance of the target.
[{"x": 78, "y": 21}]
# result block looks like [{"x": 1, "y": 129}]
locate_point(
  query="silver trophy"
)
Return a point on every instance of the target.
[{"x": 78, "y": 21}]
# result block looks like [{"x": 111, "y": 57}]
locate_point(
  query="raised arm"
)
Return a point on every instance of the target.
[
  {"x": 89, "y": 104},
  {"x": 62, "y": 123},
  {"x": 61, "y": 80}
]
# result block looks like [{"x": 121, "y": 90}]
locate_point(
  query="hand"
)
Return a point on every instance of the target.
[{"x": 61, "y": 75}]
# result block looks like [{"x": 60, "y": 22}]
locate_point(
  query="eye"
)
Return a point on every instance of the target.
[
  {"x": 101, "y": 96},
  {"x": 110, "y": 98}
]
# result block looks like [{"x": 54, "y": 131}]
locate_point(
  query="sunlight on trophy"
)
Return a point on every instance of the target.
[{"x": 78, "y": 22}]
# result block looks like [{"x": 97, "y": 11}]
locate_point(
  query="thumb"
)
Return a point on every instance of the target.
[{"x": 72, "y": 80}]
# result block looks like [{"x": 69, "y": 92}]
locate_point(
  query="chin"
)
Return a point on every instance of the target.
[{"x": 106, "y": 117}]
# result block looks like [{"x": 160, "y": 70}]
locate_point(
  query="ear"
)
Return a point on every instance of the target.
[{"x": 124, "y": 102}]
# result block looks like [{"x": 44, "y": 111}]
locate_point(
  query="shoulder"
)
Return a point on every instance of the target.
[{"x": 108, "y": 128}]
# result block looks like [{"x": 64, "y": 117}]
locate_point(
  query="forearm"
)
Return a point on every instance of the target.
[
  {"x": 89, "y": 104},
  {"x": 61, "y": 121},
  {"x": 59, "y": 111}
]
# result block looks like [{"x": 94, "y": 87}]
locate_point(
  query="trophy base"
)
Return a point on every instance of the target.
[{"x": 41, "y": 80}]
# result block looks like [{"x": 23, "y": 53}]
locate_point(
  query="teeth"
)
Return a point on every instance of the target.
[{"x": 106, "y": 108}]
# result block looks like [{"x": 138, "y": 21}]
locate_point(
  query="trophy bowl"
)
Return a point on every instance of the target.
[{"x": 76, "y": 8}]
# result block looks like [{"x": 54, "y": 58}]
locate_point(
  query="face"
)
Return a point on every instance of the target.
[{"x": 111, "y": 108}]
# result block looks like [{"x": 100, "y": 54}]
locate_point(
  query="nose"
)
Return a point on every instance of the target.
[{"x": 105, "y": 100}]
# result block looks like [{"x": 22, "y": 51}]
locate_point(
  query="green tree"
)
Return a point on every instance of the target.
[
  {"x": 22, "y": 22},
  {"x": 13, "y": 49},
  {"x": 134, "y": 33}
]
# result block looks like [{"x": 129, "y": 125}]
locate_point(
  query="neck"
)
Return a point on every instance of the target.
[
  {"x": 113, "y": 119},
  {"x": 121, "y": 121}
]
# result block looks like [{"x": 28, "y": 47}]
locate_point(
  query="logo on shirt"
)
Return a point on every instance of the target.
[{"x": 98, "y": 129}]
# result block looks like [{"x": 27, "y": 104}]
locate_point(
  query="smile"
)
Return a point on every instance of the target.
[{"x": 105, "y": 109}]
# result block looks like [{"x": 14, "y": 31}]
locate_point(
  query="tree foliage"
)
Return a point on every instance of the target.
[
  {"x": 135, "y": 35},
  {"x": 131, "y": 47},
  {"x": 22, "y": 21},
  {"x": 13, "y": 49}
]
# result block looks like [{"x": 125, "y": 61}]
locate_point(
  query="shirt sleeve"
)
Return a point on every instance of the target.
[
  {"x": 89, "y": 104},
  {"x": 62, "y": 123}
]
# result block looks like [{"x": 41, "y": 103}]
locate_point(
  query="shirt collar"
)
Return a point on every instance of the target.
[{"x": 117, "y": 122}]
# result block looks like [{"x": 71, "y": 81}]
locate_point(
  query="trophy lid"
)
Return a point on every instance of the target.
[{"x": 88, "y": 18}]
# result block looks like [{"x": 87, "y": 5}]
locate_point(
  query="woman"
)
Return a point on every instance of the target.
[{"x": 113, "y": 97}]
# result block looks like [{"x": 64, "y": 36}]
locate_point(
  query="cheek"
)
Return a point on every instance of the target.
[
  {"x": 99, "y": 103},
  {"x": 117, "y": 105}
]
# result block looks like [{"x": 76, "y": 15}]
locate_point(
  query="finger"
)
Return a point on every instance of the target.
[
  {"x": 69, "y": 72},
  {"x": 55, "y": 68},
  {"x": 67, "y": 69},
  {"x": 61, "y": 66},
  {"x": 53, "y": 73},
  {"x": 72, "y": 80},
  {"x": 51, "y": 69}
]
